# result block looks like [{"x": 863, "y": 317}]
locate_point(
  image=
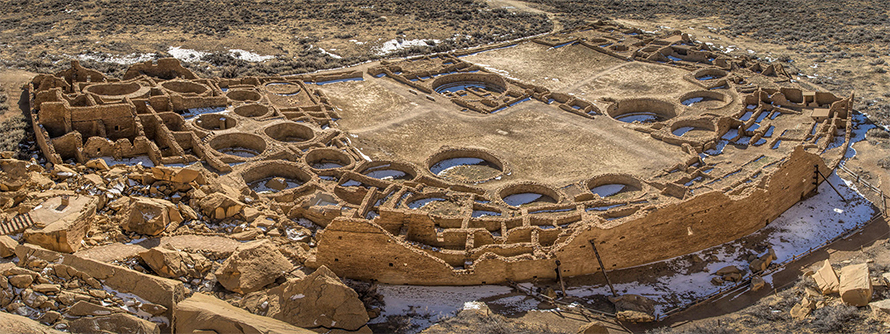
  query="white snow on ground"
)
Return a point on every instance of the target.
[
  {"x": 394, "y": 45},
  {"x": 186, "y": 55},
  {"x": 428, "y": 304},
  {"x": 140, "y": 160},
  {"x": 129, "y": 59},
  {"x": 249, "y": 56},
  {"x": 323, "y": 51},
  {"x": 189, "y": 55}
]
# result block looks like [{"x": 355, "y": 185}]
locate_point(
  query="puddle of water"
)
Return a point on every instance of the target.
[
  {"x": 674, "y": 58},
  {"x": 746, "y": 116},
  {"x": 466, "y": 85},
  {"x": 761, "y": 117},
  {"x": 753, "y": 127},
  {"x": 776, "y": 145},
  {"x": 732, "y": 133},
  {"x": 694, "y": 100}
]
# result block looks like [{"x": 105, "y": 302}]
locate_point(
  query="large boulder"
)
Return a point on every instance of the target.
[
  {"x": 149, "y": 216},
  {"x": 634, "y": 308},
  {"x": 174, "y": 264},
  {"x": 761, "y": 263},
  {"x": 61, "y": 223},
  {"x": 319, "y": 299},
  {"x": 253, "y": 266},
  {"x": 11, "y": 323},
  {"x": 826, "y": 279},
  {"x": 855, "y": 287},
  {"x": 7, "y": 246},
  {"x": 115, "y": 323},
  {"x": 201, "y": 312},
  {"x": 219, "y": 206}
]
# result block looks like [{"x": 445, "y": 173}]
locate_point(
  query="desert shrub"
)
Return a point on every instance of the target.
[
  {"x": 704, "y": 327},
  {"x": 833, "y": 318},
  {"x": 12, "y": 133}
]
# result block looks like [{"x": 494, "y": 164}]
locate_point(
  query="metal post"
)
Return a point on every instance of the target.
[{"x": 602, "y": 267}]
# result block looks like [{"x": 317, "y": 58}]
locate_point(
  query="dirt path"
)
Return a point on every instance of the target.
[
  {"x": 12, "y": 82},
  {"x": 523, "y": 7}
]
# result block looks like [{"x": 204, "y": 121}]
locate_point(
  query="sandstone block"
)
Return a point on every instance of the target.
[
  {"x": 319, "y": 299},
  {"x": 220, "y": 206},
  {"x": 7, "y": 246},
  {"x": 114, "y": 323},
  {"x": 97, "y": 164},
  {"x": 253, "y": 266},
  {"x": 205, "y": 313},
  {"x": 150, "y": 216},
  {"x": 855, "y": 285},
  {"x": 826, "y": 279},
  {"x": 21, "y": 281}
]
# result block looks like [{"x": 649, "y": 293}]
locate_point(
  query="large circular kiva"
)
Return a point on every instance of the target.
[
  {"x": 614, "y": 186},
  {"x": 283, "y": 88},
  {"x": 642, "y": 110},
  {"x": 328, "y": 158},
  {"x": 528, "y": 194},
  {"x": 454, "y": 83},
  {"x": 243, "y": 95},
  {"x": 465, "y": 165},
  {"x": 242, "y": 145},
  {"x": 117, "y": 89},
  {"x": 252, "y": 110},
  {"x": 270, "y": 177},
  {"x": 389, "y": 170},
  {"x": 290, "y": 132}
]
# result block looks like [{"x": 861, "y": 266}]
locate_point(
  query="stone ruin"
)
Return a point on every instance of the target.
[
  {"x": 431, "y": 170},
  {"x": 465, "y": 215}
]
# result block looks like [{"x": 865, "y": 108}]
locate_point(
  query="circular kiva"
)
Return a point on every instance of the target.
[
  {"x": 328, "y": 158},
  {"x": 270, "y": 177},
  {"x": 705, "y": 74},
  {"x": 642, "y": 110},
  {"x": 528, "y": 194},
  {"x": 465, "y": 165},
  {"x": 185, "y": 87},
  {"x": 243, "y": 95},
  {"x": 615, "y": 186},
  {"x": 707, "y": 99},
  {"x": 252, "y": 110},
  {"x": 242, "y": 145},
  {"x": 389, "y": 170},
  {"x": 282, "y": 88},
  {"x": 118, "y": 90},
  {"x": 453, "y": 83},
  {"x": 215, "y": 122},
  {"x": 694, "y": 128},
  {"x": 290, "y": 132}
]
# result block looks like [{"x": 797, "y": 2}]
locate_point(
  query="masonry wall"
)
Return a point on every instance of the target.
[{"x": 359, "y": 249}]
